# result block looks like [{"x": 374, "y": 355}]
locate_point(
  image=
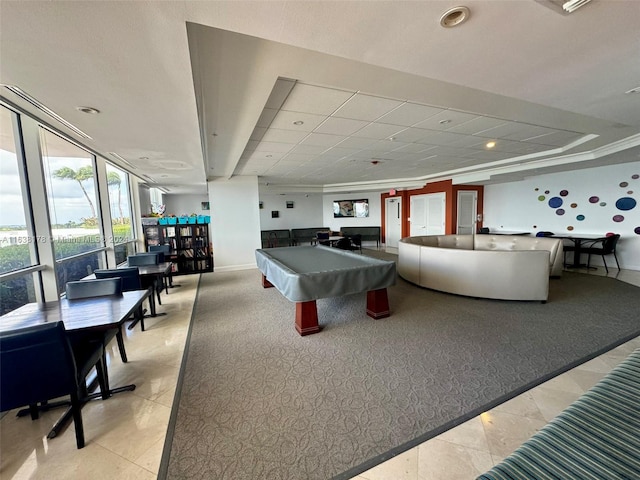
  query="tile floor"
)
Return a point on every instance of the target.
[{"x": 125, "y": 435}]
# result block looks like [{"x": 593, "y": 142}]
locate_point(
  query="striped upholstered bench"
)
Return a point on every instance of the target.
[{"x": 596, "y": 437}]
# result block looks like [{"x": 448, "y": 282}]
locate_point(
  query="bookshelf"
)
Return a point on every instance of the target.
[{"x": 190, "y": 249}]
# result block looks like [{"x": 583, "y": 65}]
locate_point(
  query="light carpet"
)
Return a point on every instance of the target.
[{"x": 257, "y": 401}]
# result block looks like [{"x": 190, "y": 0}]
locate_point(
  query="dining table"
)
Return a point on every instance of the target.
[
  {"x": 93, "y": 314},
  {"x": 578, "y": 240}
]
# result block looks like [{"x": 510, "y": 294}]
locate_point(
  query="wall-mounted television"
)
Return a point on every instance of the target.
[{"x": 351, "y": 208}]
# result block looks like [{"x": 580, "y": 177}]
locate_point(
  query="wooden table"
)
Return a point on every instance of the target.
[
  {"x": 305, "y": 274},
  {"x": 82, "y": 315}
]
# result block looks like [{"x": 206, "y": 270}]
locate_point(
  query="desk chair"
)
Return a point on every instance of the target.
[
  {"x": 608, "y": 248},
  {"x": 130, "y": 281},
  {"x": 98, "y": 288},
  {"x": 38, "y": 364},
  {"x": 165, "y": 250},
  {"x": 142, "y": 259}
]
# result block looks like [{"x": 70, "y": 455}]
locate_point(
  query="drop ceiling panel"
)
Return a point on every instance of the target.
[
  {"x": 273, "y": 147},
  {"x": 283, "y": 136},
  {"x": 285, "y": 119},
  {"x": 308, "y": 149},
  {"x": 340, "y": 126},
  {"x": 366, "y": 107},
  {"x": 409, "y": 114},
  {"x": 378, "y": 131},
  {"x": 313, "y": 99},
  {"x": 476, "y": 125},
  {"x": 323, "y": 139},
  {"x": 357, "y": 142}
]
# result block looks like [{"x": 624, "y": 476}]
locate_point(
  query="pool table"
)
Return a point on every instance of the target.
[{"x": 304, "y": 274}]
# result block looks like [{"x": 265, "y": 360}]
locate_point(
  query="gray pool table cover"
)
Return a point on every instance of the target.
[{"x": 307, "y": 273}]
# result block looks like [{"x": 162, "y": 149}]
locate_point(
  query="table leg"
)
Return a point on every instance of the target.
[
  {"x": 307, "y": 318},
  {"x": 378, "y": 303},
  {"x": 266, "y": 283}
]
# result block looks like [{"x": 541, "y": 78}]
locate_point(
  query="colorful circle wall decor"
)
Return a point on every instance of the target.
[{"x": 623, "y": 204}]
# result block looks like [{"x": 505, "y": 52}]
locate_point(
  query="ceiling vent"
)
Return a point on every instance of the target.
[{"x": 564, "y": 7}]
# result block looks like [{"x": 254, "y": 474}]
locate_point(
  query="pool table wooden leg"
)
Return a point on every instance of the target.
[
  {"x": 378, "y": 303},
  {"x": 266, "y": 283},
  {"x": 307, "y": 318}
]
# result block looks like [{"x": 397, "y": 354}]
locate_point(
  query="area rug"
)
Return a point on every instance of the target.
[{"x": 257, "y": 401}]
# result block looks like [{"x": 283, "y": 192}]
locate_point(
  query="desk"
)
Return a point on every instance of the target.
[
  {"x": 152, "y": 274},
  {"x": 578, "y": 240},
  {"x": 89, "y": 314},
  {"x": 305, "y": 274}
]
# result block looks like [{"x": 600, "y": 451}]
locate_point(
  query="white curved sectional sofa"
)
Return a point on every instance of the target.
[{"x": 506, "y": 267}]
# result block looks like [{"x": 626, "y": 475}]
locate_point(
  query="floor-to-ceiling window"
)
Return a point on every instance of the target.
[
  {"x": 18, "y": 245},
  {"x": 120, "y": 208},
  {"x": 74, "y": 211}
]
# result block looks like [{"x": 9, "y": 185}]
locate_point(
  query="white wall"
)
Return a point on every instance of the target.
[
  {"x": 306, "y": 211},
  {"x": 184, "y": 204},
  {"x": 516, "y": 206},
  {"x": 235, "y": 222}
]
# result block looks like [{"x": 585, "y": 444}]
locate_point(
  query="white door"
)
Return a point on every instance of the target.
[
  {"x": 467, "y": 210},
  {"x": 427, "y": 214},
  {"x": 393, "y": 222}
]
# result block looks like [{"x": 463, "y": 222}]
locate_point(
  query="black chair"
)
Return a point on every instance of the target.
[
  {"x": 343, "y": 244},
  {"x": 145, "y": 259},
  {"x": 130, "y": 282},
  {"x": 164, "y": 252},
  {"x": 38, "y": 364},
  {"x": 608, "y": 247},
  {"x": 98, "y": 288},
  {"x": 484, "y": 230}
]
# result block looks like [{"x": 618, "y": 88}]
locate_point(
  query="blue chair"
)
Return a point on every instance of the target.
[
  {"x": 98, "y": 288},
  {"x": 165, "y": 250},
  {"x": 145, "y": 259},
  {"x": 543, "y": 233},
  {"x": 38, "y": 364}
]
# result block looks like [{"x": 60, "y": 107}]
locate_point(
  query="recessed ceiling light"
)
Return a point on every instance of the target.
[
  {"x": 89, "y": 110},
  {"x": 391, "y": 139},
  {"x": 490, "y": 144},
  {"x": 454, "y": 17},
  {"x": 633, "y": 90},
  {"x": 144, "y": 158},
  {"x": 269, "y": 156},
  {"x": 444, "y": 122},
  {"x": 298, "y": 122}
]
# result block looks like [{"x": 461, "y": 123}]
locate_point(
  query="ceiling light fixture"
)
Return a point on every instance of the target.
[
  {"x": 633, "y": 90},
  {"x": 89, "y": 110},
  {"x": 40, "y": 106},
  {"x": 298, "y": 122},
  {"x": 490, "y": 144},
  {"x": 454, "y": 17},
  {"x": 444, "y": 122}
]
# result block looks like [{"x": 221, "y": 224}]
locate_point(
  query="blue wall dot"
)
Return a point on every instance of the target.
[{"x": 555, "y": 202}]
